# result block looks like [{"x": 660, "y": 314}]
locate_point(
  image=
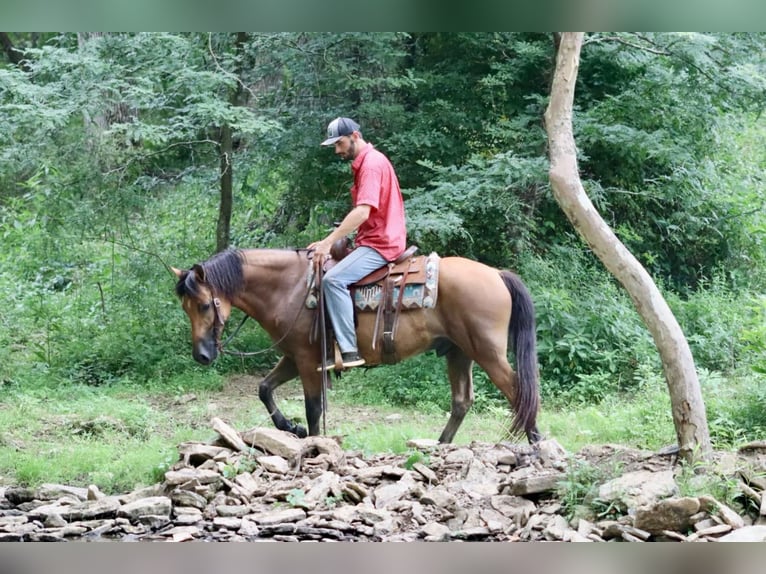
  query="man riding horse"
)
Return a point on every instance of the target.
[{"x": 377, "y": 216}]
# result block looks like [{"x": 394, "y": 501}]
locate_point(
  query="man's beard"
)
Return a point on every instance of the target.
[{"x": 350, "y": 153}]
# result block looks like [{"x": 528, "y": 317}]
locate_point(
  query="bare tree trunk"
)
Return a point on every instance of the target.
[
  {"x": 237, "y": 98},
  {"x": 223, "y": 230},
  {"x": 688, "y": 407}
]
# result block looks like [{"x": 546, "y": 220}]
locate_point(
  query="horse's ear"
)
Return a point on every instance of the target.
[
  {"x": 178, "y": 272},
  {"x": 199, "y": 273}
]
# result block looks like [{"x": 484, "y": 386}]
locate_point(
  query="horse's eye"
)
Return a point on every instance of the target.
[{"x": 203, "y": 307}]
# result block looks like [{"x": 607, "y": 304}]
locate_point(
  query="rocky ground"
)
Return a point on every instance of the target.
[{"x": 262, "y": 484}]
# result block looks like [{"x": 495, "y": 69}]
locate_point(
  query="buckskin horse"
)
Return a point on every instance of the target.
[{"x": 478, "y": 310}]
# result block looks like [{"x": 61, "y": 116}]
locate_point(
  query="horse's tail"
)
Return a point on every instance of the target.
[{"x": 523, "y": 338}]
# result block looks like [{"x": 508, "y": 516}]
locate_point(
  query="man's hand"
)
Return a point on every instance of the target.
[
  {"x": 350, "y": 223},
  {"x": 321, "y": 248}
]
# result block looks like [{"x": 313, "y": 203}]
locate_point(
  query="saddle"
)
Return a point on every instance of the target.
[{"x": 407, "y": 283}]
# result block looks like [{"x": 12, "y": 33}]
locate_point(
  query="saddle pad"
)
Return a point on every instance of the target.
[{"x": 421, "y": 295}]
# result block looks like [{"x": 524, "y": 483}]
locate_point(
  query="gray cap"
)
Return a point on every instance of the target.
[{"x": 338, "y": 128}]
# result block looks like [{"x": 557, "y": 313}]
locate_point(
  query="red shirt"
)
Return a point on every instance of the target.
[{"x": 376, "y": 185}]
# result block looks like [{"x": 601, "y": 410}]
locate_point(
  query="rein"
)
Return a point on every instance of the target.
[{"x": 220, "y": 323}]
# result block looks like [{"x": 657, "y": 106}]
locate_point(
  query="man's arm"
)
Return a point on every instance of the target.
[{"x": 350, "y": 223}]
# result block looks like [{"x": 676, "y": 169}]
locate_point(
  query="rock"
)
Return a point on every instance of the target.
[
  {"x": 435, "y": 532},
  {"x": 18, "y": 495},
  {"x": 274, "y": 463},
  {"x": 278, "y": 516},
  {"x": 712, "y": 506},
  {"x": 56, "y": 491},
  {"x": 639, "y": 488},
  {"x": 229, "y": 435},
  {"x": 459, "y": 456},
  {"x": 188, "y": 498},
  {"x": 388, "y": 494},
  {"x": 274, "y": 441},
  {"x": 183, "y": 533},
  {"x": 428, "y": 474},
  {"x": 423, "y": 444},
  {"x": 516, "y": 508},
  {"x": 104, "y": 508},
  {"x": 146, "y": 492},
  {"x": 319, "y": 489},
  {"x": 194, "y": 453},
  {"x": 528, "y": 480},
  {"x": 154, "y": 506},
  {"x": 94, "y": 493},
  {"x": 227, "y": 522},
  {"x": 184, "y": 475},
  {"x": 482, "y": 492},
  {"x": 556, "y": 528},
  {"x": 746, "y": 534},
  {"x": 248, "y": 529},
  {"x": 439, "y": 497},
  {"x": 552, "y": 454},
  {"x": 228, "y": 511},
  {"x": 668, "y": 514}
]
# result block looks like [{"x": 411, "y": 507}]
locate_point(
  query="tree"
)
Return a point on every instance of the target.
[
  {"x": 237, "y": 97},
  {"x": 688, "y": 407}
]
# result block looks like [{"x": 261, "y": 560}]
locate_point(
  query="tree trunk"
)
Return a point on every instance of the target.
[
  {"x": 15, "y": 57},
  {"x": 237, "y": 98},
  {"x": 223, "y": 231},
  {"x": 687, "y": 405}
]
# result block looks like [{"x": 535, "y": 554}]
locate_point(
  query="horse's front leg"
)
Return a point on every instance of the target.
[
  {"x": 312, "y": 394},
  {"x": 284, "y": 371}
]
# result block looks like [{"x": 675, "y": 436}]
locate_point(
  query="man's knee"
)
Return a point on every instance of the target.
[{"x": 332, "y": 283}]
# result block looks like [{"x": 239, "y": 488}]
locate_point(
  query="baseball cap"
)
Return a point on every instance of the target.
[{"x": 338, "y": 128}]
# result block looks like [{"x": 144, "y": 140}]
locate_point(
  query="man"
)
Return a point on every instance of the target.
[{"x": 378, "y": 218}]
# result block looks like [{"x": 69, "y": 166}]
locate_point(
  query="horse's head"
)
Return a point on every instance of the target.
[{"x": 208, "y": 311}]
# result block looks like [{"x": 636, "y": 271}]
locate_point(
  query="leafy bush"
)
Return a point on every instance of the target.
[{"x": 590, "y": 338}]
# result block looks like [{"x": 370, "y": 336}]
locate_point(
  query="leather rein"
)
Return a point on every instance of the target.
[{"x": 220, "y": 323}]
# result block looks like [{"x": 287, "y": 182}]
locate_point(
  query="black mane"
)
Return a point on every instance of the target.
[{"x": 222, "y": 273}]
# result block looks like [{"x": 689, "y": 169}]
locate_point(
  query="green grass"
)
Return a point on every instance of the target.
[{"x": 122, "y": 436}]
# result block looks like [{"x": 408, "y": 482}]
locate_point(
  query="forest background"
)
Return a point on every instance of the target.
[{"x": 122, "y": 153}]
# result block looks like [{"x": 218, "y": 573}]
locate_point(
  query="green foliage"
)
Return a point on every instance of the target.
[
  {"x": 296, "y": 497},
  {"x": 578, "y": 490},
  {"x": 109, "y": 170},
  {"x": 697, "y": 479},
  {"x": 415, "y": 458},
  {"x": 734, "y": 422},
  {"x": 590, "y": 338},
  {"x": 481, "y": 210}
]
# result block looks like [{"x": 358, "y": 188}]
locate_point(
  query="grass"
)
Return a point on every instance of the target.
[{"x": 122, "y": 436}]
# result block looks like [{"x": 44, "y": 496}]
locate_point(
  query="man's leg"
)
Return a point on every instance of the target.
[{"x": 360, "y": 262}]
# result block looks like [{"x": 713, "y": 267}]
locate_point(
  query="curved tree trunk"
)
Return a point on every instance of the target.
[{"x": 678, "y": 364}]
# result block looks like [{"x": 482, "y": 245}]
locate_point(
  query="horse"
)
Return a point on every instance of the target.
[{"x": 478, "y": 311}]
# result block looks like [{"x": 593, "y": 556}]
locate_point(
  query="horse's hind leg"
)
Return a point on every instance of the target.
[
  {"x": 461, "y": 381},
  {"x": 502, "y": 375},
  {"x": 284, "y": 371}
]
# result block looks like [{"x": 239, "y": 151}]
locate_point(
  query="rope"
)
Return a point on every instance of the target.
[{"x": 322, "y": 344}]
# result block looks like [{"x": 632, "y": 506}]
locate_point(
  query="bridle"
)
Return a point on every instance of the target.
[{"x": 219, "y": 323}]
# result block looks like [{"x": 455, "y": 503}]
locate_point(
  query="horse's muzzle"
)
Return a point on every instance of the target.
[{"x": 204, "y": 353}]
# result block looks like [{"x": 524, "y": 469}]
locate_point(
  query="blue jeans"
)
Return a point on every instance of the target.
[{"x": 357, "y": 264}]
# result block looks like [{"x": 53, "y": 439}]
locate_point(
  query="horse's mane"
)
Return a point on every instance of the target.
[{"x": 222, "y": 273}]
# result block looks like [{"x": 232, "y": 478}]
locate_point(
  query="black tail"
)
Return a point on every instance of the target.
[{"x": 523, "y": 337}]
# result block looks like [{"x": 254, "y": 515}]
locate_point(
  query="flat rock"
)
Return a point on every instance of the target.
[
  {"x": 745, "y": 534},
  {"x": 639, "y": 488},
  {"x": 274, "y": 441},
  {"x": 668, "y": 514},
  {"x": 153, "y": 506}
]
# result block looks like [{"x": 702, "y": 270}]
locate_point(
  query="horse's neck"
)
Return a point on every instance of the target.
[{"x": 273, "y": 280}]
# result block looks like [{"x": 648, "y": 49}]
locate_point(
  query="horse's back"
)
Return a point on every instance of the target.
[{"x": 471, "y": 283}]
